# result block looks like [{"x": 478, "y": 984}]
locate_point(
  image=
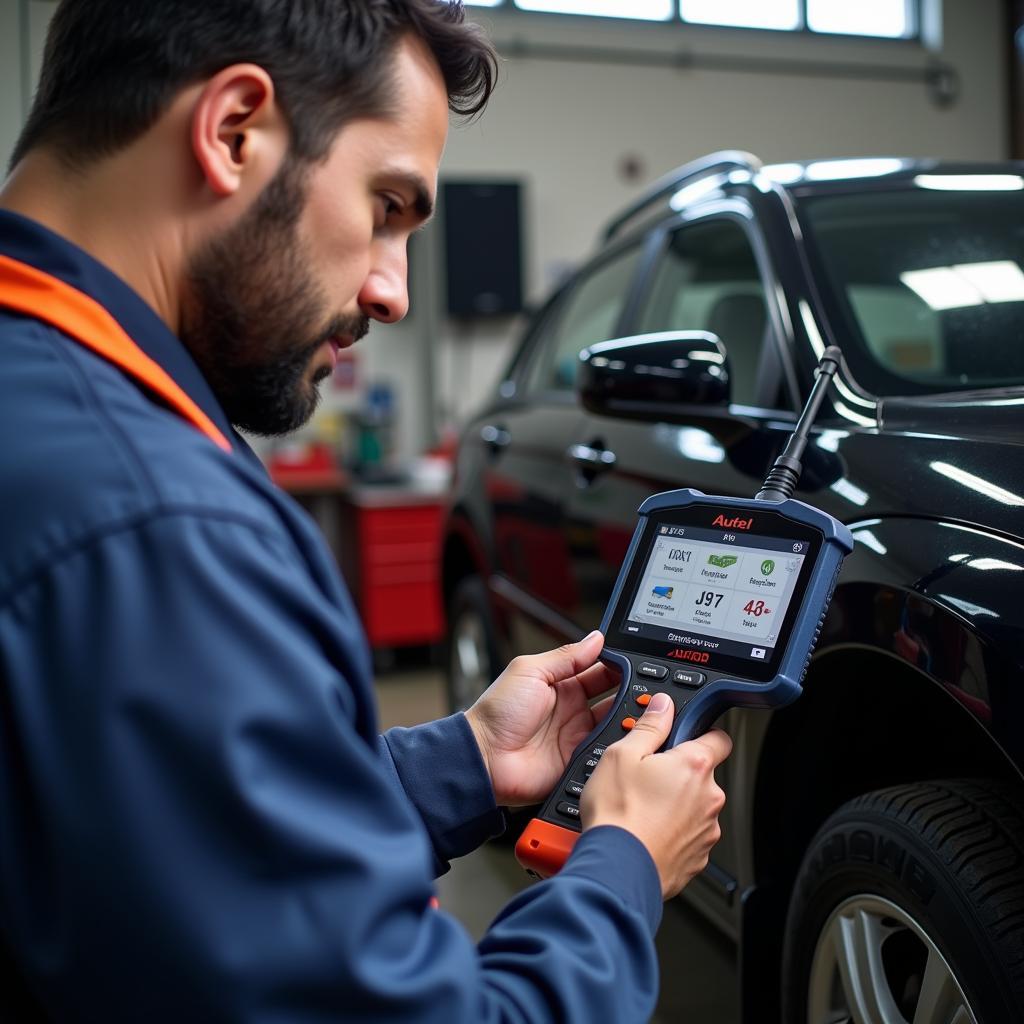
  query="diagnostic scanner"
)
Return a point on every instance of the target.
[{"x": 719, "y": 603}]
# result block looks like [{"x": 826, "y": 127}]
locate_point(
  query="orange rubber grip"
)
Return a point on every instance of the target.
[{"x": 543, "y": 848}]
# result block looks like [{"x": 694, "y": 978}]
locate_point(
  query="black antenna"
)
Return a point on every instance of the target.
[{"x": 782, "y": 479}]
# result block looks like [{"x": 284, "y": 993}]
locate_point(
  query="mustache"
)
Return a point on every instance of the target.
[{"x": 355, "y": 326}]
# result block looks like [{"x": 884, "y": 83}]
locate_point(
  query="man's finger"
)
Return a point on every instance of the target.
[
  {"x": 598, "y": 679},
  {"x": 652, "y": 727},
  {"x": 568, "y": 660},
  {"x": 718, "y": 744},
  {"x": 601, "y": 708}
]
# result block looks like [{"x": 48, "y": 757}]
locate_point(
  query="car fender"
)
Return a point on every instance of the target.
[{"x": 943, "y": 597}]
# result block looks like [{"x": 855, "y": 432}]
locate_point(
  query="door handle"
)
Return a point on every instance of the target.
[
  {"x": 495, "y": 438},
  {"x": 591, "y": 460}
]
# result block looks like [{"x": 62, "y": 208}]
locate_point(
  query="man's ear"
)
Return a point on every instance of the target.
[{"x": 236, "y": 126}]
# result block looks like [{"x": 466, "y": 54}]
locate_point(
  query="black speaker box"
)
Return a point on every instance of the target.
[{"x": 483, "y": 247}]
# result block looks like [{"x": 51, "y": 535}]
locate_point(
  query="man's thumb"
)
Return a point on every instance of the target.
[{"x": 652, "y": 727}]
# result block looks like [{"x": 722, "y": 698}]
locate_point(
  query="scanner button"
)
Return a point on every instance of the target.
[
  {"x": 568, "y": 810},
  {"x": 651, "y": 671},
  {"x": 598, "y": 751},
  {"x": 574, "y": 788},
  {"x": 688, "y": 678},
  {"x": 591, "y": 763},
  {"x": 643, "y": 699},
  {"x": 628, "y": 723}
]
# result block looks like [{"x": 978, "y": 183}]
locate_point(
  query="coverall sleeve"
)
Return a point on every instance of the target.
[
  {"x": 441, "y": 770},
  {"x": 209, "y": 833}
]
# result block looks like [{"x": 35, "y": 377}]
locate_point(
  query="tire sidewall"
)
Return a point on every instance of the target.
[{"x": 864, "y": 853}]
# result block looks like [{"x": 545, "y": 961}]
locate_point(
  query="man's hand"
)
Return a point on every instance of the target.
[
  {"x": 533, "y": 716},
  {"x": 669, "y": 801}
]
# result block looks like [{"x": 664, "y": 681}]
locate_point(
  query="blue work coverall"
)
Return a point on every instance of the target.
[{"x": 198, "y": 819}]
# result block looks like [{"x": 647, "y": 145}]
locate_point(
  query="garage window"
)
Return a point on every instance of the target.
[
  {"x": 884, "y": 19},
  {"x": 777, "y": 14}
]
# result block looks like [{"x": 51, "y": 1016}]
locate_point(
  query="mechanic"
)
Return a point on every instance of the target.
[{"x": 198, "y": 820}]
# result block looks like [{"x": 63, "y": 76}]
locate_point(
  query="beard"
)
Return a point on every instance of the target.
[{"x": 253, "y": 319}]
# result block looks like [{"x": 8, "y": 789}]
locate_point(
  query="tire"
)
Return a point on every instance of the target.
[
  {"x": 472, "y": 647},
  {"x": 909, "y": 907}
]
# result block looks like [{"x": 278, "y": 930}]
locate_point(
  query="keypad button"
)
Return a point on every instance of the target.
[
  {"x": 568, "y": 810},
  {"x": 688, "y": 677},
  {"x": 643, "y": 699},
  {"x": 591, "y": 763},
  {"x": 574, "y": 788},
  {"x": 652, "y": 671},
  {"x": 598, "y": 751},
  {"x": 628, "y": 723}
]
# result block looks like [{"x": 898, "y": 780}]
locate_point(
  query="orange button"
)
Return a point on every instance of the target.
[
  {"x": 644, "y": 699},
  {"x": 628, "y": 723}
]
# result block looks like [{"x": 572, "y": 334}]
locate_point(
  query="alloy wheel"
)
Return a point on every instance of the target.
[{"x": 874, "y": 964}]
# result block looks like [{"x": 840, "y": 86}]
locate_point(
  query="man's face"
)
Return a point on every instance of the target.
[{"x": 320, "y": 254}]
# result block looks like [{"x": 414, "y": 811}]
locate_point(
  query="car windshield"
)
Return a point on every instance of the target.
[{"x": 927, "y": 282}]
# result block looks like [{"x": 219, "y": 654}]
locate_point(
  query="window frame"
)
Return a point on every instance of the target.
[{"x": 914, "y": 7}]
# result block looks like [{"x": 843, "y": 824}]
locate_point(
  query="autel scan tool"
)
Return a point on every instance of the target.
[{"x": 719, "y": 603}]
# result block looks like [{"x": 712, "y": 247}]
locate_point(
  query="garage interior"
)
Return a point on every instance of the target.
[{"x": 596, "y": 101}]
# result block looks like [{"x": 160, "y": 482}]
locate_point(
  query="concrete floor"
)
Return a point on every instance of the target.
[{"x": 697, "y": 967}]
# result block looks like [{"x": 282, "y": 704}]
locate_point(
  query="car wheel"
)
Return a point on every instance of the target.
[
  {"x": 472, "y": 657},
  {"x": 909, "y": 909}
]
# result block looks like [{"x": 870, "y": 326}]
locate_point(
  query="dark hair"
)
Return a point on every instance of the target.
[{"x": 112, "y": 68}]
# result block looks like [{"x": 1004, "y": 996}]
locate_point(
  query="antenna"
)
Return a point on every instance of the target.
[{"x": 784, "y": 474}]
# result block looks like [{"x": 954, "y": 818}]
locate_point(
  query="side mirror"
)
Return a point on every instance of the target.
[{"x": 654, "y": 376}]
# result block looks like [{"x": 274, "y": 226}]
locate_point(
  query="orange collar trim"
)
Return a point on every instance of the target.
[{"x": 44, "y": 297}]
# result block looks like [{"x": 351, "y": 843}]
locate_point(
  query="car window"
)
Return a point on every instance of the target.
[
  {"x": 928, "y": 282},
  {"x": 707, "y": 280},
  {"x": 900, "y": 329},
  {"x": 588, "y": 313}
]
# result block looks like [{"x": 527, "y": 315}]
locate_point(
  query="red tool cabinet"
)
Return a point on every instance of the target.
[
  {"x": 392, "y": 544},
  {"x": 387, "y": 540}
]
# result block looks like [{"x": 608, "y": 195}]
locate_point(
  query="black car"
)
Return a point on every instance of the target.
[{"x": 872, "y": 865}]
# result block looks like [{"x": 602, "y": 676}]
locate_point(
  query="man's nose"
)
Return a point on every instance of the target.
[{"x": 385, "y": 292}]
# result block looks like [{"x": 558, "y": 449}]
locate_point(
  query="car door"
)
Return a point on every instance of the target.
[
  {"x": 527, "y": 481},
  {"x": 709, "y": 276}
]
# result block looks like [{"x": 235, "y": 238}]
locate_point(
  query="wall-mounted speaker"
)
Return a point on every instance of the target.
[{"x": 483, "y": 247}]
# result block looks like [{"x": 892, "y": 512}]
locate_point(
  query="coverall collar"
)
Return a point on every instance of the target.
[{"x": 31, "y": 243}]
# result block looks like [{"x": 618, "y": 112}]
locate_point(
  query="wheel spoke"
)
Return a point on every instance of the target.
[
  {"x": 858, "y": 942},
  {"x": 468, "y": 672},
  {"x": 941, "y": 1001},
  {"x": 469, "y": 659}
]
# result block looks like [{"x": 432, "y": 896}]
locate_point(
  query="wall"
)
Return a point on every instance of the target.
[{"x": 564, "y": 128}]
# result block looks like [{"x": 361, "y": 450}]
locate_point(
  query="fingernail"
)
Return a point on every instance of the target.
[
  {"x": 659, "y": 702},
  {"x": 590, "y": 635}
]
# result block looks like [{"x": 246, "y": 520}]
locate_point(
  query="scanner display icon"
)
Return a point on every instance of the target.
[{"x": 757, "y": 652}]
